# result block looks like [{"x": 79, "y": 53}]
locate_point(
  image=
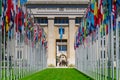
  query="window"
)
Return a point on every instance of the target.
[
  {"x": 77, "y": 20},
  {"x": 42, "y": 20},
  {"x": 62, "y": 47},
  {"x": 61, "y": 20},
  {"x": 63, "y": 30}
]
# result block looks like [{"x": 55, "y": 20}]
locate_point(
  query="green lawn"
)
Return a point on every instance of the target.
[{"x": 58, "y": 74}]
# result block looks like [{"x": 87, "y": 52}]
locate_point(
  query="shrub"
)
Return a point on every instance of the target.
[
  {"x": 71, "y": 65},
  {"x": 51, "y": 65}
]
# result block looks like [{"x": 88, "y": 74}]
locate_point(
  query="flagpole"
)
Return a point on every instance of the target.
[
  {"x": 10, "y": 57},
  {"x": 1, "y": 47},
  {"x": 19, "y": 56},
  {"x": 14, "y": 67},
  {"x": 109, "y": 38},
  {"x": 112, "y": 47},
  {"x": 24, "y": 58},
  {"x": 106, "y": 55},
  {"x": 103, "y": 49},
  {"x": 1, "y": 54},
  {"x": 117, "y": 48},
  {"x": 99, "y": 60},
  {"x": 27, "y": 56},
  {"x": 40, "y": 56},
  {"x": 96, "y": 63},
  {"x": 4, "y": 77},
  {"x": 30, "y": 53},
  {"x": 8, "y": 54}
]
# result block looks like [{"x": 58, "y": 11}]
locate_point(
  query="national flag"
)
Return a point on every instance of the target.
[
  {"x": 61, "y": 32},
  {"x": 7, "y": 23},
  {"x": 45, "y": 44},
  {"x": 35, "y": 33},
  {"x": 95, "y": 13},
  {"x": 106, "y": 15},
  {"x": 92, "y": 6},
  {"x": 42, "y": 41},
  {"x": 100, "y": 11},
  {"x": 9, "y": 16},
  {"x": 109, "y": 7},
  {"x": 0, "y": 7},
  {"x": 18, "y": 3},
  {"x": 118, "y": 6},
  {"x": 22, "y": 2},
  {"x": 20, "y": 20},
  {"x": 106, "y": 28},
  {"x": 39, "y": 33},
  {"x": 114, "y": 14}
]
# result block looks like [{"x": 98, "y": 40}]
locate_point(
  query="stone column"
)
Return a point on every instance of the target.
[
  {"x": 71, "y": 51},
  {"x": 51, "y": 42}
]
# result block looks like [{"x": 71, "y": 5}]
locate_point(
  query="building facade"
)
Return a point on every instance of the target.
[{"x": 53, "y": 14}]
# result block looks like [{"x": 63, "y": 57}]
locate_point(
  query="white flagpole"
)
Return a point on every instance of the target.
[
  {"x": 24, "y": 57},
  {"x": 112, "y": 48},
  {"x": 102, "y": 55},
  {"x": 14, "y": 67},
  {"x": 106, "y": 55},
  {"x": 0, "y": 48},
  {"x": 8, "y": 54},
  {"x": 4, "y": 77},
  {"x": 117, "y": 48},
  {"x": 96, "y": 45},
  {"x": 10, "y": 58},
  {"x": 40, "y": 56},
  {"x": 33, "y": 57},
  {"x": 30, "y": 54},
  {"x": 19, "y": 45},
  {"x": 99, "y": 60},
  {"x": 27, "y": 58},
  {"x": 109, "y": 50}
]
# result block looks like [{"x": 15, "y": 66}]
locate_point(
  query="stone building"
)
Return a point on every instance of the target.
[{"x": 53, "y": 14}]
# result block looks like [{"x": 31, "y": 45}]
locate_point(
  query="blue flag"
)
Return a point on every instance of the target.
[
  {"x": 61, "y": 32},
  {"x": 110, "y": 6},
  {"x": 118, "y": 6},
  {"x": 23, "y": 2}
]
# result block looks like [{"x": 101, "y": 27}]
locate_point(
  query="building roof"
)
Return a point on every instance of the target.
[{"x": 58, "y": 2}]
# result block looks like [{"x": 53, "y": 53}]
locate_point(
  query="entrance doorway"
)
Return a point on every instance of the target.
[{"x": 61, "y": 53}]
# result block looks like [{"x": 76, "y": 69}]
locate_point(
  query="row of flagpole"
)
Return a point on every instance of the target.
[
  {"x": 19, "y": 58},
  {"x": 99, "y": 58},
  {"x": 0, "y": 48}
]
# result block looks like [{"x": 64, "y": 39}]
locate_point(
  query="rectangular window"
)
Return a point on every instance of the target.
[
  {"x": 77, "y": 20},
  {"x": 62, "y": 47},
  {"x": 59, "y": 20},
  {"x": 41, "y": 20}
]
